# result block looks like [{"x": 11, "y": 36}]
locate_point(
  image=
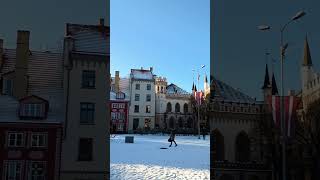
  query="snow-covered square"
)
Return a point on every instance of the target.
[{"x": 144, "y": 159}]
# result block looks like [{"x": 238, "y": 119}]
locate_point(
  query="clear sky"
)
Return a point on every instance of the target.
[
  {"x": 172, "y": 36},
  {"x": 239, "y": 47},
  {"x": 46, "y": 19}
]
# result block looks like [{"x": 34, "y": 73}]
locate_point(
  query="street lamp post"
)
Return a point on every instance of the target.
[
  {"x": 198, "y": 104},
  {"x": 282, "y": 109}
]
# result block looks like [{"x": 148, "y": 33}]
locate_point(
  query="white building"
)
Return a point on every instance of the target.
[{"x": 142, "y": 99}]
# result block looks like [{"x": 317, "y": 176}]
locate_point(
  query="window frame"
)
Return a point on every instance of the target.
[
  {"x": 6, "y": 169},
  {"x": 36, "y": 176},
  {"x": 148, "y": 107},
  {"x": 148, "y": 98},
  {"x": 8, "y": 139},
  {"x": 88, "y": 157},
  {"x": 148, "y": 88},
  {"x": 86, "y": 111},
  {"x": 138, "y": 109},
  {"x": 88, "y": 80},
  {"x": 137, "y": 97},
  {"x": 137, "y": 87},
  {"x": 45, "y": 140}
]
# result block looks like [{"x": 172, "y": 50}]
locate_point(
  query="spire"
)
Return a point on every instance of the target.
[
  {"x": 206, "y": 79},
  {"x": 307, "y": 56},
  {"x": 195, "y": 88},
  {"x": 266, "y": 83},
  {"x": 192, "y": 86},
  {"x": 274, "y": 86}
]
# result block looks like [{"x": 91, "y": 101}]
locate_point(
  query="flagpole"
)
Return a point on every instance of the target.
[{"x": 198, "y": 108}]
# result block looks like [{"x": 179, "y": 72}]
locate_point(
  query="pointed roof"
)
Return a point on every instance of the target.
[
  {"x": 195, "y": 87},
  {"x": 266, "y": 83},
  {"x": 307, "y": 56},
  {"x": 174, "y": 89},
  {"x": 226, "y": 92},
  {"x": 192, "y": 86},
  {"x": 274, "y": 86},
  {"x": 206, "y": 79}
]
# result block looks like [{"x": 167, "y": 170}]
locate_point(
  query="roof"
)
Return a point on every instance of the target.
[
  {"x": 307, "y": 56},
  {"x": 45, "y": 72},
  {"x": 140, "y": 74},
  {"x": 174, "y": 89},
  {"x": 266, "y": 83},
  {"x": 227, "y": 93},
  {"x": 90, "y": 38}
]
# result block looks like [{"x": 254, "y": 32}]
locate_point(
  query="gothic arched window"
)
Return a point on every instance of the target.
[
  {"x": 185, "y": 108},
  {"x": 169, "y": 107},
  {"x": 177, "y": 107}
]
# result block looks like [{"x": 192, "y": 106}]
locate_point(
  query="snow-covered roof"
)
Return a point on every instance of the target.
[
  {"x": 230, "y": 94},
  {"x": 174, "y": 89},
  {"x": 45, "y": 80},
  {"x": 90, "y": 38},
  {"x": 141, "y": 74}
]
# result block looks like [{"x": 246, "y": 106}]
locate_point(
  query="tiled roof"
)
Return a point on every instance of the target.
[
  {"x": 174, "y": 89},
  {"x": 45, "y": 71},
  {"x": 90, "y": 38},
  {"x": 141, "y": 74},
  {"x": 227, "y": 93}
]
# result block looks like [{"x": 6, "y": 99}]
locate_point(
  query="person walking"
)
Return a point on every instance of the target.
[
  {"x": 204, "y": 134},
  {"x": 171, "y": 138}
]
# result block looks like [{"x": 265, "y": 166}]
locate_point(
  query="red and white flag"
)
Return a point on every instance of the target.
[
  {"x": 199, "y": 97},
  {"x": 290, "y": 107}
]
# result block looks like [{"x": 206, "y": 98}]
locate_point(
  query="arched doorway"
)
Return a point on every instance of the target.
[
  {"x": 171, "y": 123},
  {"x": 217, "y": 146},
  {"x": 242, "y": 147}
]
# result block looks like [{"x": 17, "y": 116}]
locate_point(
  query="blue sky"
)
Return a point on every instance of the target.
[
  {"x": 171, "y": 36},
  {"x": 239, "y": 47}
]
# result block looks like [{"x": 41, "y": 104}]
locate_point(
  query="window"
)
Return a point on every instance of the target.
[
  {"x": 177, "y": 107},
  {"x": 87, "y": 113},
  {"x": 39, "y": 140},
  {"x": 136, "y": 108},
  {"x": 32, "y": 110},
  {"x": 148, "y": 109},
  {"x": 169, "y": 107},
  {"x": 137, "y": 86},
  {"x": 15, "y": 139},
  {"x": 185, "y": 108},
  {"x": 37, "y": 170},
  {"x": 85, "y": 149},
  {"x": 88, "y": 79},
  {"x": 12, "y": 170},
  {"x": 120, "y": 95},
  {"x": 135, "y": 123},
  {"x": 148, "y": 87},
  {"x": 148, "y": 98},
  {"x": 137, "y": 97},
  {"x": 8, "y": 87}
]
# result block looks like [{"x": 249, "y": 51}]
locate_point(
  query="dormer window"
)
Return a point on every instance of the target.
[
  {"x": 120, "y": 95},
  {"x": 33, "y": 107}
]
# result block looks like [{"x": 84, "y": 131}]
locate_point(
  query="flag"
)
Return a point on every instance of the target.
[
  {"x": 199, "y": 97},
  {"x": 290, "y": 107}
]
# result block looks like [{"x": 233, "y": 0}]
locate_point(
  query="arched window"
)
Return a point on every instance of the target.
[
  {"x": 185, "y": 108},
  {"x": 242, "y": 147},
  {"x": 171, "y": 123},
  {"x": 169, "y": 107},
  {"x": 177, "y": 107},
  {"x": 217, "y": 147},
  {"x": 180, "y": 123}
]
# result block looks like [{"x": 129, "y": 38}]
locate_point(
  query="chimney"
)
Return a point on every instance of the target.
[
  {"x": 21, "y": 68},
  {"x": 116, "y": 81},
  {"x": 151, "y": 69},
  {"x": 1, "y": 53}
]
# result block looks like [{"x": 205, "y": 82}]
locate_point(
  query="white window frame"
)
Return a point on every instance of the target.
[
  {"x": 45, "y": 136},
  {"x": 15, "y": 141},
  {"x": 31, "y": 176},
  {"x": 6, "y": 169}
]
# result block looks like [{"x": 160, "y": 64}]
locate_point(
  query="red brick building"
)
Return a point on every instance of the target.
[
  {"x": 31, "y": 112},
  {"x": 119, "y": 106}
]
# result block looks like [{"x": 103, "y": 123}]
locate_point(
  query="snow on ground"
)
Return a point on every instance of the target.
[{"x": 145, "y": 160}]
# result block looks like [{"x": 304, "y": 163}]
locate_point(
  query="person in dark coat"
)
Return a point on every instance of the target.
[{"x": 172, "y": 138}]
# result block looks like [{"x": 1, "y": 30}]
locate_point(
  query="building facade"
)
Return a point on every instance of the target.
[
  {"x": 31, "y": 113},
  {"x": 86, "y": 60},
  {"x": 142, "y": 100},
  {"x": 173, "y": 107}
]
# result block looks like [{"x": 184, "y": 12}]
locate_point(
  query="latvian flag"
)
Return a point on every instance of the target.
[
  {"x": 198, "y": 97},
  {"x": 290, "y": 104}
]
